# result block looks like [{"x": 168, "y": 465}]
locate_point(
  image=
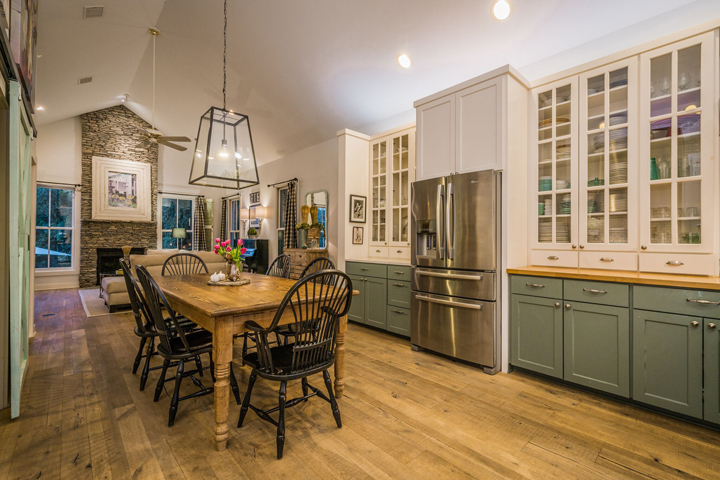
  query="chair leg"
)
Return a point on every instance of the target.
[
  {"x": 234, "y": 385},
  {"x": 333, "y": 402},
  {"x": 176, "y": 394},
  {"x": 246, "y": 400},
  {"x": 139, "y": 354},
  {"x": 198, "y": 363},
  {"x": 281, "y": 421},
  {"x": 305, "y": 388},
  {"x": 146, "y": 368},
  {"x": 161, "y": 380},
  {"x": 244, "y": 350}
]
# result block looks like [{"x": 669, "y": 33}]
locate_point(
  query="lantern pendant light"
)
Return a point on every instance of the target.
[{"x": 224, "y": 156}]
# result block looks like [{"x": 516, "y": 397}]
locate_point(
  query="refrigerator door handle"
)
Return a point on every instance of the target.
[
  {"x": 453, "y": 276},
  {"x": 449, "y": 303},
  {"x": 451, "y": 218},
  {"x": 439, "y": 211}
]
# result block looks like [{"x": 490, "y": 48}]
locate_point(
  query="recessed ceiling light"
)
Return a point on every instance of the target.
[
  {"x": 501, "y": 10},
  {"x": 40, "y": 108},
  {"x": 404, "y": 60}
]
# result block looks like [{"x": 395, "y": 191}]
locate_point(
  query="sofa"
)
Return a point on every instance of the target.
[{"x": 113, "y": 289}]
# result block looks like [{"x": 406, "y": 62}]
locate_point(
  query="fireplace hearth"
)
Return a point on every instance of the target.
[{"x": 108, "y": 260}]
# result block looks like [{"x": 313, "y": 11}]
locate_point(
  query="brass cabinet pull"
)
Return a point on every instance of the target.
[
  {"x": 398, "y": 285},
  {"x": 582, "y": 246},
  {"x": 534, "y": 285},
  {"x": 553, "y": 257},
  {"x": 557, "y": 304},
  {"x": 644, "y": 247},
  {"x": 574, "y": 246},
  {"x": 399, "y": 273},
  {"x": 711, "y": 325},
  {"x": 378, "y": 251},
  {"x": 675, "y": 263},
  {"x": 399, "y": 251},
  {"x": 592, "y": 290},
  {"x": 694, "y": 323},
  {"x": 364, "y": 269},
  {"x": 567, "y": 306},
  {"x": 399, "y": 312},
  {"x": 702, "y": 302},
  {"x": 606, "y": 259}
]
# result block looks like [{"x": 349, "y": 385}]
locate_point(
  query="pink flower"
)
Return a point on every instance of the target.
[
  {"x": 239, "y": 242},
  {"x": 224, "y": 244},
  {"x": 243, "y": 250},
  {"x": 228, "y": 249},
  {"x": 217, "y": 240},
  {"x": 217, "y": 247}
]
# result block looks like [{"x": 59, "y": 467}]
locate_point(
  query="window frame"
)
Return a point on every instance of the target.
[
  {"x": 75, "y": 250},
  {"x": 160, "y": 228},
  {"x": 235, "y": 209}
]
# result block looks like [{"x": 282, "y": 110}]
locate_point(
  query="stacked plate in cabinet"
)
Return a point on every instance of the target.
[
  {"x": 565, "y": 206},
  {"x": 562, "y": 232},
  {"x": 618, "y": 139},
  {"x": 545, "y": 232},
  {"x": 618, "y": 229},
  {"x": 618, "y": 173},
  {"x": 618, "y": 202}
]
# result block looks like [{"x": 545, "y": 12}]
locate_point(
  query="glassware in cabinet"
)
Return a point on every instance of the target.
[{"x": 378, "y": 175}]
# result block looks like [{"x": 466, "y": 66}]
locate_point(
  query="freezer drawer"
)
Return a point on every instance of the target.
[
  {"x": 460, "y": 328},
  {"x": 455, "y": 283}
]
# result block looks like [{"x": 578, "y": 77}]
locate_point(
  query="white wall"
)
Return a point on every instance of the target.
[{"x": 353, "y": 154}]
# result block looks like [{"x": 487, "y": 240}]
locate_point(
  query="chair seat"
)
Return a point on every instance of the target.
[
  {"x": 281, "y": 357},
  {"x": 200, "y": 341}
]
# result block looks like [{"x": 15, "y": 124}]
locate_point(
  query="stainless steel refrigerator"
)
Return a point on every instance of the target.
[{"x": 455, "y": 229}]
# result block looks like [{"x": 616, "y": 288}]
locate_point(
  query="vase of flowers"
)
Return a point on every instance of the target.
[{"x": 232, "y": 256}]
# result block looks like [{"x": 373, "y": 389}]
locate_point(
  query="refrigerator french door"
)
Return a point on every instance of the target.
[{"x": 454, "y": 235}]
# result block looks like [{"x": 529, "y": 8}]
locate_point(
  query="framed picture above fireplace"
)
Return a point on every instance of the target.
[{"x": 121, "y": 190}]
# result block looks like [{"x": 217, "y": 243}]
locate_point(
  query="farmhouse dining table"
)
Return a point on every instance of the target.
[{"x": 223, "y": 310}]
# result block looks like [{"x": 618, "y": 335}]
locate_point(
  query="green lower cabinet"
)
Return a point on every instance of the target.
[
  {"x": 357, "y": 306},
  {"x": 667, "y": 361},
  {"x": 376, "y": 302},
  {"x": 537, "y": 334},
  {"x": 597, "y": 347},
  {"x": 399, "y": 293},
  {"x": 398, "y": 320},
  {"x": 712, "y": 371}
]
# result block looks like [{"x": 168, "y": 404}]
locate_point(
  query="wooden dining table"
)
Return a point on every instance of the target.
[{"x": 223, "y": 310}]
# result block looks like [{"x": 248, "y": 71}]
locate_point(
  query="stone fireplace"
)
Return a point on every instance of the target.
[
  {"x": 108, "y": 260},
  {"x": 114, "y": 132}
]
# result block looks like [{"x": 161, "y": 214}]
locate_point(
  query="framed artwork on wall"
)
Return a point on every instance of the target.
[
  {"x": 358, "y": 207},
  {"x": 357, "y": 238},
  {"x": 121, "y": 190}
]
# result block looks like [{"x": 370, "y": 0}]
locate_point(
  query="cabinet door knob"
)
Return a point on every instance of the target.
[
  {"x": 557, "y": 304},
  {"x": 574, "y": 246},
  {"x": 711, "y": 325},
  {"x": 567, "y": 306},
  {"x": 582, "y": 246},
  {"x": 644, "y": 247},
  {"x": 694, "y": 323}
]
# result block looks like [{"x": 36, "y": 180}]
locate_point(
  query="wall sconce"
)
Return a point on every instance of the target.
[{"x": 259, "y": 212}]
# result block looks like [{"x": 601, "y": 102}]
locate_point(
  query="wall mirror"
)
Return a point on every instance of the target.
[{"x": 314, "y": 210}]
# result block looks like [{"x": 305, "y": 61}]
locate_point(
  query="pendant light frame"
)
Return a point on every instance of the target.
[{"x": 236, "y": 177}]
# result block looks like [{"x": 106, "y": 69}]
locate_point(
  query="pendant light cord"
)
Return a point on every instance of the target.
[
  {"x": 153, "y": 104},
  {"x": 224, "y": 52}
]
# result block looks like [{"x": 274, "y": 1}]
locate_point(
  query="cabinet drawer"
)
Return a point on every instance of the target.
[
  {"x": 398, "y": 252},
  {"x": 609, "y": 261},
  {"x": 537, "y": 286},
  {"x": 602, "y": 293},
  {"x": 398, "y": 320},
  {"x": 685, "y": 263},
  {"x": 366, "y": 269},
  {"x": 399, "y": 272},
  {"x": 697, "y": 303},
  {"x": 554, "y": 258},
  {"x": 380, "y": 252},
  {"x": 398, "y": 293}
]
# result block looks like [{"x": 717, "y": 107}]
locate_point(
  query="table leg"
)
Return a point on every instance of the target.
[
  {"x": 222, "y": 355},
  {"x": 340, "y": 357}
]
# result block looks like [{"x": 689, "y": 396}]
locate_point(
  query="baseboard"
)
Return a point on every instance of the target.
[{"x": 57, "y": 286}]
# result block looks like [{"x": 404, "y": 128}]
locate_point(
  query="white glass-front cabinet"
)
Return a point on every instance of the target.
[
  {"x": 677, "y": 165},
  {"x": 554, "y": 175},
  {"x": 392, "y": 170}
]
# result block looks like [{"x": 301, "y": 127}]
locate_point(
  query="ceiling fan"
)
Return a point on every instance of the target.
[{"x": 151, "y": 134}]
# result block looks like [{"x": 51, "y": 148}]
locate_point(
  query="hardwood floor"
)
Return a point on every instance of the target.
[{"x": 405, "y": 415}]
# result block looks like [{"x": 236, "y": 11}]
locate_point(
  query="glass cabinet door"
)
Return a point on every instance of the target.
[
  {"x": 556, "y": 166},
  {"x": 676, "y": 169},
  {"x": 378, "y": 182},
  {"x": 608, "y": 158},
  {"x": 401, "y": 169}
]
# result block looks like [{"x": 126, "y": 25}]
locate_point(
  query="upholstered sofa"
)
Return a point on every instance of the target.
[{"x": 114, "y": 291}]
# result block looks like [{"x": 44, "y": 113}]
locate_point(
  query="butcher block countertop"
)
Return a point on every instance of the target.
[{"x": 618, "y": 276}]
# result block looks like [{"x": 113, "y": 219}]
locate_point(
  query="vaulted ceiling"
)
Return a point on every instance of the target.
[{"x": 302, "y": 69}]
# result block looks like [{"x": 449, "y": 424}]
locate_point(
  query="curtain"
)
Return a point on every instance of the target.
[
  {"x": 291, "y": 216},
  {"x": 199, "y": 242},
  {"x": 223, "y": 220}
]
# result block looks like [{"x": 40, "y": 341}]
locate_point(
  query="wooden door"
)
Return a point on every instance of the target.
[
  {"x": 597, "y": 347},
  {"x": 536, "y": 326},
  {"x": 478, "y": 139},
  {"x": 667, "y": 361},
  {"x": 436, "y": 138},
  {"x": 20, "y": 177},
  {"x": 711, "y": 336}
]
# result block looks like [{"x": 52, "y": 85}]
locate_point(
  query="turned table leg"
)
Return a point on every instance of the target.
[
  {"x": 222, "y": 356},
  {"x": 340, "y": 357}
]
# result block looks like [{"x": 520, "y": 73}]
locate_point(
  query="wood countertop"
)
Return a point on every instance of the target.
[{"x": 618, "y": 276}]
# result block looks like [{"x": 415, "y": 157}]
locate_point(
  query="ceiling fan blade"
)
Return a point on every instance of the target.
[
  {"x": 153, "y": 131},
  {"x": 172, "y": 145},
  {"x": 175, "y": 139}
]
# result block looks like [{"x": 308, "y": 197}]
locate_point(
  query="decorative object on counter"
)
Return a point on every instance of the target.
[
  {"x": 302, "y": 234},
  {"x": 315, "y": 230},
  {"x": 233, "y": 258},
  {"x": 314, "y": 214},
  {"x": 358, "y": 233},
  {"x": 126, "y": 252},
  {"x": 318, "y": 203},
  {"x": 252, "y": 233},
  {"x": 224, "y": 155},
  {"x": 305, "y": 214},
  {"x": 358, "y": 206}
]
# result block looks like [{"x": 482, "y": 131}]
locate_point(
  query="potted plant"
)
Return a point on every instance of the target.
[
  {"x": 302, "y": 234},
  {"x": 252, "y": 233},
  {"x": 232, "y": 256}
]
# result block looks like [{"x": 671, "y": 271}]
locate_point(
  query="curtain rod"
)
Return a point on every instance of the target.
[
  {"x": 231, "y": 196},
  {"x": 182, "y": 194},
  {"x": 40, "y": 182},
  {"x": 285, "y": 181}
]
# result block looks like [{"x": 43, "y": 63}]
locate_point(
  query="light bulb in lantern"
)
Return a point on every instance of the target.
[
  {"x": 224, "y": 149},
  {"x": 237, "y": 155}
]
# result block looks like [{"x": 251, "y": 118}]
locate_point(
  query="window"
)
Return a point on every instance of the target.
[
  {"x": 281, "y": 208},
  {"x": 54, "y": 228},
  {"x": 235, "y": 222},
  {"x": 177, "y": 213}
]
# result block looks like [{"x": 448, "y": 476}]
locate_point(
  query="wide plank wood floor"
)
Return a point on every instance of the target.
[{"x": 405, "y": 415}]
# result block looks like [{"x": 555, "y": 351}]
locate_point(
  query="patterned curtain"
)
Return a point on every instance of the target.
[
  {"x": 199, "y": 242},
  {"x": 223, "y": 220},
  {"x": 291, "y": 216}
]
